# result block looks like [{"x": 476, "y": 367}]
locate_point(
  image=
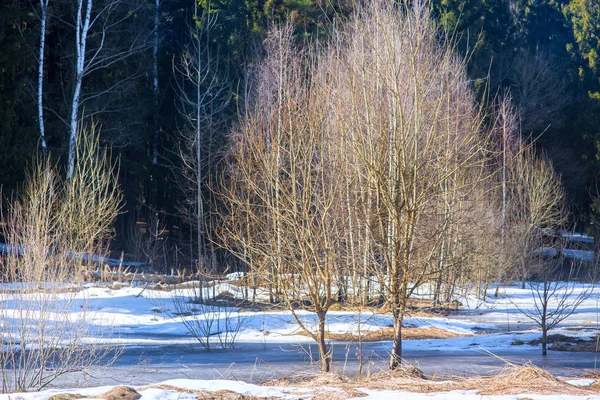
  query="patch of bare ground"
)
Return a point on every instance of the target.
[
  {"x": 116, "y": 393},
  {"x": 415, "y": 307},
  {"x": 560, "y": 342}
]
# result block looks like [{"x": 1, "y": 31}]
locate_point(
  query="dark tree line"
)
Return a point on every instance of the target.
[{"x": 544, "y": 52}]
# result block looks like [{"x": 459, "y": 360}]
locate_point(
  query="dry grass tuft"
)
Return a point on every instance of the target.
[
  {"x": 309, "y": 380},
  {"x": 406, "y": 378},
  {"x": 121, "y": 393},
  {"x": 208, "y": 395},
  {"x": 67, "y": 396},
  {"x": 326, "y": 386},
  {"x": 515, "y": 379}
]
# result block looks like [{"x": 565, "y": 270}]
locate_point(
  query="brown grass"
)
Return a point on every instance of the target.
[
  {"x": 208, "y": 395},
  {"x": 67, "y": 396},
  {"x": 121, "y": 393},
  {"x": 527, "y": 378},
  {"x": 511, "y": 380},
  {"x": 388, "y": 334}
]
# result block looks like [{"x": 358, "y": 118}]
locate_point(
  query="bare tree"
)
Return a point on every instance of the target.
[
  {"x": 366, "y": 153},
  {"x": 203, "y": 95},
  {"x": 540, "y": 92},
  {"x": 98, "y": 48},
  {"x": 409, "y": 116},
  {"x": 536, "y": 204},
  {"x": 554, "y": 288},
  {"x": 283, "y": 200}
]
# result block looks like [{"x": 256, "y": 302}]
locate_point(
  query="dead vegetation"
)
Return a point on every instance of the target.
[
  {"x": 121, "y": 393},
  {"x": 511, "y": 380},
  {"x": 528, "y": 378},
  {"x": 388, "y": 334}
]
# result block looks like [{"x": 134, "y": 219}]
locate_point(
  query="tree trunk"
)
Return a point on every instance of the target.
[
  {"x": 82, "y": 27},
  {"x": 43, "y": 20},
  {"x": 324, "y": 353},
  {"x": 199, "y": 200},
  {"x": 155, "y": 83},
  {"x": 396, "y": 355},
  {"x": 544, "y": 340}
]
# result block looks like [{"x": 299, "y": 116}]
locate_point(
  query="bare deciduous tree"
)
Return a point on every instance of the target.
[
  {"x": 203, "y": 94},
  {"x": 99, "y": 45},
  {"x": 357, "y": 163},
  {"x": 283, "y": 199},
  {"x": 536, "y": 204},
  {"x": 408, "y": 115}
]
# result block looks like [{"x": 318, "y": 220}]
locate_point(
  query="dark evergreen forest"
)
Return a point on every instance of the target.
[{"x": 165, "y": 81}]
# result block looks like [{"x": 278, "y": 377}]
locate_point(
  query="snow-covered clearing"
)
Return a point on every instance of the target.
[{"x": 138, "y": 317}]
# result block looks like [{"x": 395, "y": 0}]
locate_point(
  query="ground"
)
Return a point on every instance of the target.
[{"x": 455, "y": 353}]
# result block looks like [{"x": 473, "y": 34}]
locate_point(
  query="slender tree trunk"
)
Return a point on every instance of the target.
[
  {"x": 504, "y": 199},
  {"x": 544, "y": 339},
  {"x": 155, "y": 83},
  {"x": 43, "y": 21},
  {"x": 198, "y": 138},
  {"x": 81, "y": 31},
  {"x": 544, "y": 315},
  {"x": 396, "y": 355},
  {"x": 324, "y": 353},
  {"x": 438, "y": 286},
  {"x": 199, "y": 202}
]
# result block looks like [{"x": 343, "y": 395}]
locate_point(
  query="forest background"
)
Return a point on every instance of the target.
[{"x": 146, "y": 60}]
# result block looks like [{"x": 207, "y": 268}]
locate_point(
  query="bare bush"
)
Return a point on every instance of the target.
[
  {"x": 54, "y": 229},
  {"x": 210, "y": 321}
]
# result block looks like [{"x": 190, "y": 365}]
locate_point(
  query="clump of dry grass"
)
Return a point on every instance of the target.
[
  {"x": 406, "y": 378},
  {"x": 121, "y": 393},
  {"x": 519, "y": 379},
  {"x": 207, "y": 394},
  {"x": 326, "y": 386},
  {"x": 67, "y": 396},
  {"x": 511, "y": 380}
]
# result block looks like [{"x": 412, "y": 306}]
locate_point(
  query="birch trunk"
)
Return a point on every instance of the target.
[
  {"x": 43, "y": 21},
  {"x": 81, "y": 31}
]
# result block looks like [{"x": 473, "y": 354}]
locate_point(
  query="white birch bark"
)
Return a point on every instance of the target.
[
  {"x": 82, "y": 27},
  {"x": 43, "y": 21}
]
